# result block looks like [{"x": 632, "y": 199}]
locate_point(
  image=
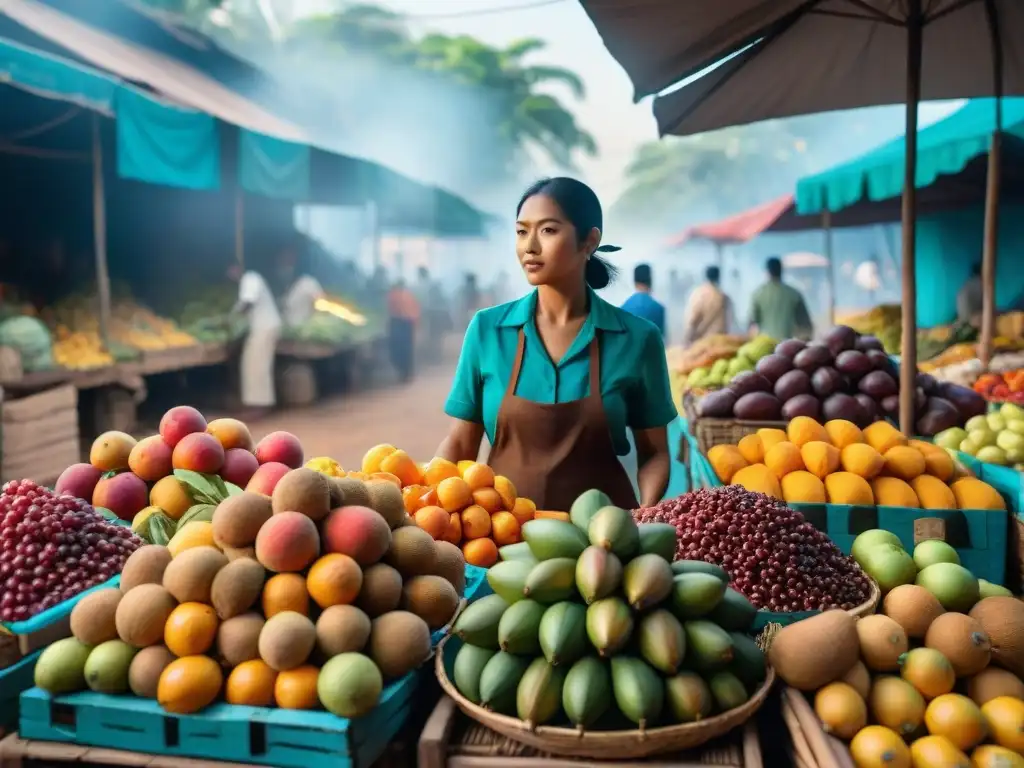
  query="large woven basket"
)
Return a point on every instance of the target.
[
  {"x": 711, "y": 432},
  {"x": 869, "y": 606},
  {"x": 609, "y": 745}
]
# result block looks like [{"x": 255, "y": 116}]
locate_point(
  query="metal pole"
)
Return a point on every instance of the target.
[
  {"x": 908, "y": 345},
  {"x": 99, "y": 231},
  {"x": 990, "y": 244}
]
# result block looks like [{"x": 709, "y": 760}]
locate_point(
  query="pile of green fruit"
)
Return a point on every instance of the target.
[
  {"x": 592, "y": 624},
  {"x": 722, "y": 372},
  {"x": 995, "y": 438}
]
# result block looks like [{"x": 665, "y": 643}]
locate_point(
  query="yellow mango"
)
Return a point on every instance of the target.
[
  {"x": 759, "y": 479},
  {"x": 882, "y": 436},
  {"x": 848, "y": 488},
  {"x": 820, "y": 458},
  {"x": 971, "y": 493},
  {"x": 932, "y": 493},
  {"x": 894, "y": 492},
  {"x": 861, "y": 459},
  {"x": 783, "y": 458},
  {"x": 904, "y": 462},
  {"x": 804, "y": 429},
  {"x": 752, "y": 449},
  {"x": 842, "y": 433},
  {"x": 726, "y": 460},
  {"x": 801, "y": 487},
  {"x": 771, "y": 436}
]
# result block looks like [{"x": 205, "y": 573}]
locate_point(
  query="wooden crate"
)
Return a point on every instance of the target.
[
  {"x": 38, "y": 434},
  {"x": 16, "y": 752},
  {"x": 810, "y": 746},
  {"x": 452, "y": 740}
]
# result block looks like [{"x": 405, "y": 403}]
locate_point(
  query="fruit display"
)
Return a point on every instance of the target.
[
  {"x": 704, "y": 353},
  {"x": 52, "y": 547},
  {"x": 342, "y": 324},
  {"x": 593, "y": 626},
  {"x": 970, "y": 372},
  {"x": 838, "y": 463},
  {"x": 777, "y": 560},
  {"x": 846, "y": 376},
  {"x": 727, "y": 367},
  {"x": 1007, "y": 387},
  {"x": 995, "y": 438},
  {"x": 314, "y": 594}
]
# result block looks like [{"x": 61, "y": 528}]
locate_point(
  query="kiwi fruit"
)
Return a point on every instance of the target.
[
  {"x": 351, "y": 492},
  {"x": 912, "y": 607},
  {"x": 236, "y": 587},
  {"x": 962, "y": 640},
  {"x": 451, "y": 565},
  {"x": 92, "y": 618},
  {"x": 238, "y": 519},
  {"x": 145, "y": 669},
  {"x": 342, "y": 629},
  {"x": 381, "y": 591},
  {"x": 993, "y": 682},
  {"x": 189, "y": 577},
  {"x": 145, "y": 565},
  {"x": 399, "y": 643},
  {"x": 412, "y": 552},
  {"x": 142, "y": 613},
  {"x": 305, "y": 491},
  {"x": 432, "y": 598},
  {"x": 238, "y": 639},
  {"x": 286, "y": 640},
  {"x": 386, "y": 499}
]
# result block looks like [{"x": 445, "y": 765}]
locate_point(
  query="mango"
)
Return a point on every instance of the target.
[
  {"x": 499, "y": 681},
  {"x": 734, "y": 613},
  {"x": 507, "y": 578},
  {"x": 598, "y": 574},
  {"x": 646, "y": 581},
  {"x": 688, "y": 697},
  {"x": 727, "y": 460},
  {"x": 748, "y": 663},
  {"x": 609, "y": 625},
  {"x": 563, "y": 633},
  {"x": 708, "y": 646},
  {"x": 587, "y": 505},
  {"x": 662, "y": 641},
  {"x": 587, "y": 691},
  {"x": 469, "y": 666},
  {"x": 550, "y": 581},
  {"x": 680, "y": 567},
  {"x": 727, "y": 691},
  {"x": 639, "y": 692},
  {"x": 106, "y": 669},
  {"x": 61, "y": 667},
  {"x": 519, "y": 627},
  {"x": 518, "y": 551},
  {"x": 539, "y": 694},
  {"x": 549, "y": 539},
  {"x": 696, "y": 594},
  {"x": 615, "y": 530},
  {"x": 658, "y": 539}
]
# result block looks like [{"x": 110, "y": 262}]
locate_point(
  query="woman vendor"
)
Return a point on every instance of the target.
[{"x": 555, "y": 378}]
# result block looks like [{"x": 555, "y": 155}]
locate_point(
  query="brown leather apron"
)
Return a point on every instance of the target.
[{"x": 553, "y": 452}]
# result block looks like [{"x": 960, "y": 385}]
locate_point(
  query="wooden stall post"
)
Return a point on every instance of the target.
[
  {"x": 826, "y": 228},
  {"x": 990, "y": 244},
  {"x": 99, "y": 230}
]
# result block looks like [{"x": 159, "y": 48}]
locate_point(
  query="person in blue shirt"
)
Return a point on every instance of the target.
[
  {"x": 641, "y": 303},
  {"x": 556, "y": 378}
]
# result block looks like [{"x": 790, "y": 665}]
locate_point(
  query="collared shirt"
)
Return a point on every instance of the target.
[
  {"x": 708, "y": 312},
  {"x": 403, "y": 305},
  {"x": 779, "y": 311},
  {"x": 254, "y": 291},
  {"x": 298, "y": 302},
  {"x": 644, "y": 305},
  {"x": 634, "y": 373}
]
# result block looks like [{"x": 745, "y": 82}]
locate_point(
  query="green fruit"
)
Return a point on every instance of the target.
[
  {"x": 598, "y": 574},
  {"x": 646, "y": 581},
  {"x": 554, "y": 538},
  {"x": 870, "y": 539},
  {"x": 518, "y": 628},
  {"x": 61, "y": 666},
  {"x": 639, "y": 692},
  {"x": 747, "y": 660},
  {"x": 551, "y": 580},
  {"x": 688, "y": 697},
  {"x": 735, "y": 613},
  {"x": 662, "y": 641},
  {"x": 539, "y": 695},
  {"x": 586, "y": 506},
  {"x": 696, "y": 594},
  {"x": 587, "y": 691},
  {"x": 563, "y": 633},
  {"x": 992, "y": 454},
  {"x": 499, "y": 680},
  {"x": 508, "y": 578},
  {"x": 988, "y": 589},
  {"x": 517, "y": 551},
  {"x": 708, "y": 646},
  {"x": 933, "y": 551},
  {"x": 469, "y": 665},
  {"x": 609, "y": 625},
  {"x": 106, "y": 669},
  {"x": 890, "y": 566},
  {"x": 680, "y": 567},
  {"x": 727, "y": 690},
  {"x": 657, "y": 539},
  {"x": 953, "y": 585},
  {"x": 615, "y": 529},
  {"x": 950, "y": 438},
  {"x": 478, "y": 623},
  {"x": 349, "y": 685}
]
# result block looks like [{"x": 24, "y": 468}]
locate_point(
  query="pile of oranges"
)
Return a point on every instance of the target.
[{"x": 465, "y": 504}]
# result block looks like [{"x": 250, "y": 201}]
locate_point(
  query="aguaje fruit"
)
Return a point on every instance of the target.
[
  {"x": 342, "y": 629},
  {"x": 879, "y": 747},
  {"x": 146, "y": 565},
  {"x": 841, "y": 710},
  {"x": 189, "y": 576},
  {"x": 958, "y": 719},
  {"x": 238, "y": 639}
]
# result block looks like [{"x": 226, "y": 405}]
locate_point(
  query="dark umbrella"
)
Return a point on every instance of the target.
[{"x": 792, "y": 57}]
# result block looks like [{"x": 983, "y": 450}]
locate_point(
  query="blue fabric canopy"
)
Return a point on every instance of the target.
[{"x": 272, "y": 167}]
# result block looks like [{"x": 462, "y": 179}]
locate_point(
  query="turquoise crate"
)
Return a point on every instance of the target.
[
  {"x": 256, "y": 735},
  {"x": 13, "y": 680},
  {"x": 476, "y": 583},
  {"x": 56, "y": 613}
]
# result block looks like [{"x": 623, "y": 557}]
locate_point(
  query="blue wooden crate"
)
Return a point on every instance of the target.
[
  {"x": 58, "y": 612},
  {"x": 262, "y": 736},
  {"x": 13, "y": 680}
]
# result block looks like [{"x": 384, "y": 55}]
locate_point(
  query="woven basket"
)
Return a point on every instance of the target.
[
  {"x": 869, "y": 606},
  {"x": 610, "y": 745},
  {"x": 712, "y": 432}
]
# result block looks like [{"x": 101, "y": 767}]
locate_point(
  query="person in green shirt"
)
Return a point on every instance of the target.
[{"x": 778, "y": 310}]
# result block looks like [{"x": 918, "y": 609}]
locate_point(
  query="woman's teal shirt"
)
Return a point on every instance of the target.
[{"x": 634, "y": 373}]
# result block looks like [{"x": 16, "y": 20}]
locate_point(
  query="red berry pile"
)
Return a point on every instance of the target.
[
  {"x": 776, "y": 558},
  {"x": 52, "y": 547}
]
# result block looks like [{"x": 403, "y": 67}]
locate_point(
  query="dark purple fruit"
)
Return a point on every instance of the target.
[
  {"x": 891, "y": 406},
  {"x": 968, "y": 402},
  {"x": 790, "y": 347},
  {"x": 792, "y": 384},
  {"x": 939, "y": 414},
  {"x": 920, "y": 400},
  {"x": 853, "y": 363},
  {"x": 773, "y": 366},
  {"x": 827, "y": 381},
  {"x": 878, "y": 384},
  {"x": 758, "y": 406},
  {"x": 813, "y": 357},
  {"x": 801, "y": 405},
  {"x": 716, "y": 405},
  {"x": 746, "y": 382},
  {"x": 881, "y": 361},
  {"x": 928, "y": 383},
  {"x": 865, "y": 343},
  {"x": 842, "y": 406},
  {"x": 840, "y": 338},
  {"x": 872, "y": 413}
]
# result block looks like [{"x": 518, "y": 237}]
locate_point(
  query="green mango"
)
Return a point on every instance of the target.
[
  {"x": 507, "y": 578},
  {"x": 518, "y": 628},
  {"x": 680, "y": 567},
  {"x": 598, "y": 574},
  {"x": 689, "y": 698},
  {"x": 469, "y": 666},
  {"x": 478, "y": 623},
  {"x": 549, "y": 539},
  {"x": 60, "y": 668},
  {"x": 639, "y": 692},
  {"x": 551, "y": 580},
  {"x": 662, "y": 641},
  {"x": 106, "y": 669},
  {"x": 609, "y": 625},
  {"x": 587, "y": 691},
  {"x": 696, "y": 594},
  {"x": 747, "y": 660},
  {"x": 646, "y": 581},
  {"x": 708, "y": 646},
  {"x": 615, "y": 529},
  {"x": 657, "y": 539},
  {"x": 499, "y": 680},
  {"x": 539, "y": 695},
  {"x": 586, "y": 506},
  {"x": 518, "y": 551},
  {"x": 728, "y": 691},
  {"x": 563, "y": 633},
  {"x": 735, "y": 613}
]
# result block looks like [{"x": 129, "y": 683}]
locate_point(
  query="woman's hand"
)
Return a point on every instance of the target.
[
  {"x": 462, "y": 442},
  {"x": 654, "y": 464}
]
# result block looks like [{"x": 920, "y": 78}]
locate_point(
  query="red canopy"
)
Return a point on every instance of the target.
[{"x": 738, "y": 228}]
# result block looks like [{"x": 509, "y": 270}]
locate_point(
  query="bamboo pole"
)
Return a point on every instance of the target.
[
  {"x": 826, "y": 226},
  {"x": 99, "y": 231},
  {"x": 990, "y": 244},
  {"x": 908, "y": 344}
]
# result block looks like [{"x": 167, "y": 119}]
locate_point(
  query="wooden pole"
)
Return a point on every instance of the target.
[
  {"x": 990, "y": 244},
  {"x": 908, "y": 345},
  {"x": 826, "y": 226},
  {"x": 239, "y": 227},
  {"x": 99, "y": 232}
]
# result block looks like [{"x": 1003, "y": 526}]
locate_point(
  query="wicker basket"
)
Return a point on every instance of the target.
[
  {"x": 609, "y": 745},
  {"x": 869, "y": 606},
  {"x": 712, "y": 432}
]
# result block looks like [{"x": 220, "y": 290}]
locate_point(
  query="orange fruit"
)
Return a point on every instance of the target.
[
  {"x": 372, "y": 458},
  {"x": 506, "y": 490},
  {"x": 478, "y": 476},
  {"x": 463, "y": 465},
  {"x": 453, "y": 534},
  {"x": 401, "y": 465},
  {"x": 188, "y": 684},
  {"x": 524, "y": 510},
  {"x": 296, "y": 688},
  {"x": 251, "y": 683},
  {"x": 439, "y": 469},
  {"x": 429, "y": 497},
  {"x": 170, "y": 495},
  {"x": 285, "y": 592},
  {"x": 387, "y": 477},
  {"x": 454, "y": 494},
  {"x": 504, "y": 528},
  {"x": 476, "y": 522},
  {"x": 489, "y": 499},
  {"x": 190, "y": 629},
  {"x": 481, "y": 552},
  {"x": 412, "y": 497},
  {"x": 334, "y": 579},
  {"x": 433, "y": 520}
]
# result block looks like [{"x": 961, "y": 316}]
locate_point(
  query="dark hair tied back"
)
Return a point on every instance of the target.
[{"x": 582, "y": 208}]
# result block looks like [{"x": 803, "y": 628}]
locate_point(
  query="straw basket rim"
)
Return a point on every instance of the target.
[
  {"x": 870, "y": 605},
  {"x": 605, "y": 744}
]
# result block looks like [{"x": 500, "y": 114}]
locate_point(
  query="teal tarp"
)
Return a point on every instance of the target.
[
  {"x": 272, "y": 167},
  {"x": 943, "y": 148},
  {"x": 55, "y": 78}
]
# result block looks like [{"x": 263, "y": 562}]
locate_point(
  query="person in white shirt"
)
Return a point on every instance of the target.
[
  {"x": 300, "y": 299},
  {"x": 256, "y": 302}
]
